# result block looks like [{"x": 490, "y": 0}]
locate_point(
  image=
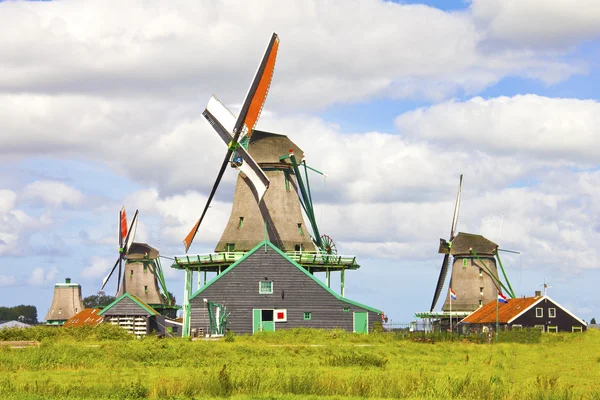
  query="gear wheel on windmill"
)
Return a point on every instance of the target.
[
  {"x": 271, "y": 204},
  {"x": 474, "y": 275},
  {"x": 139, "y": 271}
]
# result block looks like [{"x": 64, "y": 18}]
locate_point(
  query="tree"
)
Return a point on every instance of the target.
[
  {"x": 593, "y": 321},
  {"x": 22, "y": 313},
  {"x": 99, "y": 300},
  {"x": 172, "y": 296}
]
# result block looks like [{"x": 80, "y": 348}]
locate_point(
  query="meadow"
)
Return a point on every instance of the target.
[{"x": 104, "y": 363}]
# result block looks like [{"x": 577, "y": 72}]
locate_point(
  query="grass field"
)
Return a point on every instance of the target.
[{"x": 298, "y": 364}]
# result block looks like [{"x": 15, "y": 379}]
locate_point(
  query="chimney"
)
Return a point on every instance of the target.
[
  {"x": 68, "y": 280},
  {"x": 538, "y": 293}
]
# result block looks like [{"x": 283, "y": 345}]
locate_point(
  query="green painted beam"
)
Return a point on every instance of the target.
[{"x": 504, "y": 274}]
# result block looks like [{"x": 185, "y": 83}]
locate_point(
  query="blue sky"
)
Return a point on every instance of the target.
[{"x": 101, "y": 110}]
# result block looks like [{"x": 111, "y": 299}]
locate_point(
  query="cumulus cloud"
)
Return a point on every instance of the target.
[
  {"x": 7, "y": 280},
  {"x": 54, "y": 193},
  {"x": 331, "y": 52},
  {"x": 538, "y": 23},
  {"x": 40, "y": 276},
  {"x": 98, "y": 268}
]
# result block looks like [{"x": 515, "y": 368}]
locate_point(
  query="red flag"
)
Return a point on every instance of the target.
[{"x": 123, "y": 224}]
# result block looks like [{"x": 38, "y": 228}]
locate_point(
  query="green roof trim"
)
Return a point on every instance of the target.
[
  {"x": 135, "y": 299},
  {"x": 265, "y": 243}
]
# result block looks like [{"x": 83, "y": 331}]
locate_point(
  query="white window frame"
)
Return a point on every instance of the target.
[
  {"x": 539, "y": 312},
  {"x": 517, "y": 326},
  {"x": 552, "y": 313},
  {"x": 280, "y": 310},
  {"x": 552, "y": 327},
  {"x": 260, "y": 291},
  {"x": 576, "y": 329},
  {"x": 540, "y": 327}
]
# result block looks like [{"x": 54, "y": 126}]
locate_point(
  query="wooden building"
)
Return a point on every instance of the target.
[
  {"x": 138, "y": 318},
  {"x": 527, "y": 312},
  {"x": 66, "y": 302},
  {"x": 266, "y": 290}
]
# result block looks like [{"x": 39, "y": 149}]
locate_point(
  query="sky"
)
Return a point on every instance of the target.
[{"x": 101, "y": 106}]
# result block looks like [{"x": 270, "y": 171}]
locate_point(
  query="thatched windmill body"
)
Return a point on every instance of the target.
[
  {"x": 66, "y": 302},
  {"x": 474, "y": 277}
]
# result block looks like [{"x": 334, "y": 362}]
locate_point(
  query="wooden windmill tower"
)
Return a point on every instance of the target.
[
  {"x": 66, "y": 302},
  {"x": 142, "y": 273},
  {"x": 474, "y": 276}
]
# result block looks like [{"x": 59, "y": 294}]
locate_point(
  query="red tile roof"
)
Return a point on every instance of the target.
[
  {"x": 88, "y": 316},
  {"x": 506, "y": 311}
]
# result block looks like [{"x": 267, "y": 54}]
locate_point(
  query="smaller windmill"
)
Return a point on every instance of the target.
[
  {"x": 474, "y": 276},
  {"x": 141, "y": 273}
]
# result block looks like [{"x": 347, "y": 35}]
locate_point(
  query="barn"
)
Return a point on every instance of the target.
[
  {"x": 527, "y": 312},
  {"x": 266, "y": 290}
]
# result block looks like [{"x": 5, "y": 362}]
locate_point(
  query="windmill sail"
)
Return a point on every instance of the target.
[
  {"x": 245, "y": 122},
  {"x": 123, "y": 226}
]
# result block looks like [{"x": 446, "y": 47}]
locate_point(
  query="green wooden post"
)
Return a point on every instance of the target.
[
  {"x": 204, "y": 277},
  {"x": 327, "y": 280},
  {"x": 199, "y": 285},
  {"x": 187, "y": 309},
  {"x": 342, "y": 282}
]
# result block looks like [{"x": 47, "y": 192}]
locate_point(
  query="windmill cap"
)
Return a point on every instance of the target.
[
  {"x": 267, "y": 147},
  {"x": 464, "y": 243}
]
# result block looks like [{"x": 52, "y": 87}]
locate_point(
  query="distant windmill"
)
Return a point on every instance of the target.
[
  {"x": 474, "y": 276},
  {"x": 142, "y": 273}
]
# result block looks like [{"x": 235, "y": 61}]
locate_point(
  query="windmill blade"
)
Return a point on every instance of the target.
[
  {"x": 222, "y": 114},
  {"x": 122, "y": 226},
  {"x": 131, "y": 234},
  {"x": 190, "y": 236},
  {"x": 249, "y": 167},
  {"x": 441, "y": 280},
  {"x": 119, "y": 276},
  {"x": 105, "y": 280},
  {"x": 258, "y": 91},
  {"x": 456, "y": 209}
]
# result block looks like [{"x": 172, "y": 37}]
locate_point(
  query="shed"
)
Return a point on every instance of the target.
[
  {"x": 265, "y": 290},
  {"x": 88, "y": 316},
  {"x": 13, "y": 324},
  {"x": 527, "y": 312}
]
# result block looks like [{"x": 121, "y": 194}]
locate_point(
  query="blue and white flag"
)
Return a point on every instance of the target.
[
  {"x": 502, "y": 298},
  {"x": 452, "y": 294}
]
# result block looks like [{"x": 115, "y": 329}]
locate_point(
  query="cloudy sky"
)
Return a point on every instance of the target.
[{"x": 101, "y": 102}]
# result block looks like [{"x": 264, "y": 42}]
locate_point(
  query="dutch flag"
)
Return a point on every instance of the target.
[
  {"x": 502, "y": 298},
  {"x": 452, "y": 294}
]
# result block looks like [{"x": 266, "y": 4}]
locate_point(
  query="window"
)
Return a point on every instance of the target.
[
  {"x": 174, "y": 329},
  {"x": 298, "y": 247},
  {"x": 552, "y": 312},
  {"x": 481, "y": 291},
  {"x": 464, "y": 262},
  {"x": 145, "y": 267},
  {"x": 540, "y": 327},
  {"x": 131, "y": 275},
  {"x": 480, "y": 303},
  {"x": 300, "y": 229},
  {"x": 265, "y": 287},
  {"x": 553, "y": 329},
  {"x": 517, "y": 326},
  {"x": 229, "y": 247},
  {"x": 307, "y": 316},
  {"x": 539, "y": 313},
  {"x": 480, "y": 272},
  {"x": 241, "y": 223},
  {"x": 280, "y": 315},
  {"x": 576, "y": 329},
  {"x": 346, "y": 309},
  {"x": 145, "y": 289}
]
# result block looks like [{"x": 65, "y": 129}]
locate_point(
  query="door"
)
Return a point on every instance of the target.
[
  {"x": 267, "y": 322},
  {"x": 361, "y": 322},
  {"x": 262, "y": 321}
]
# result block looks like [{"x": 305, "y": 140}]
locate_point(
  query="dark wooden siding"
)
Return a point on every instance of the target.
[
  {"x": 125, "y": 307},
  {"x": 238, "y": 290},
  {"x": 563, "y": 320}
]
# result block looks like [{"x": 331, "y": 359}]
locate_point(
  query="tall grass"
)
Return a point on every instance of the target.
[{"x": 300, "y": 364}]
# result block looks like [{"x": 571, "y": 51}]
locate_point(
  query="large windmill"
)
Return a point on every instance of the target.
[
  {"x": 139, "y": 269},
  {"x": 265, "y": 161},
  {"x": 474, "y": 276}
]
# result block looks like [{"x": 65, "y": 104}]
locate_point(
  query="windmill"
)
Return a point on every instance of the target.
[
  {"x": 141, "y": 273},
  {"x": 66, "y": 302},
  {"x": 265, "y": 161},
  {"x": 474, "y": 276}
]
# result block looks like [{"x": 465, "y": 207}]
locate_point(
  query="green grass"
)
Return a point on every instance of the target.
[{"x": 298, "y": 364}]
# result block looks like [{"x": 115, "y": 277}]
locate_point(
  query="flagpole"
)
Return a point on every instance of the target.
[
  {"x": 497, "y": 317},
  {"x": 450, "y": 312}
]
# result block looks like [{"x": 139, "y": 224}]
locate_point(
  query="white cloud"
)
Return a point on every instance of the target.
[
  {"x": 98, "y": 267},
  {"x": 549, "y": 129},
  {"x": 329, "y": 53},
  {"x": 538, "y": 23},
  {"x": 54, "y": 193},
  {"x": 7, "y": 280},
  {"x": 43, "y": 277}
]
